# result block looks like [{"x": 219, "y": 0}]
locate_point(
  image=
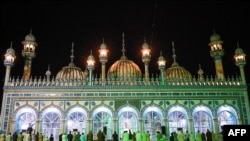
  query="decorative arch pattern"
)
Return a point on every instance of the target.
[
  {"x": 152, "y": 120},
  {"x": 25, "y": 118},
  {"x": 127, "y": 119},
  {"x": 202, "y": 119},
  {"x": 177, "y": 119},
  {"x": 77, "y": 120},
  {"x": 226, "y": 115},
  {"x": 102, "y": 120}
]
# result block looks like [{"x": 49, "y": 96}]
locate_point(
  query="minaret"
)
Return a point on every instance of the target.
[
  {"x": 9, "y": 62},
  {"x": 103, "y": 58},
  {"x": 48, "y": 74},
  {"x": 240, "y": 61},
  {"x": 28, "y": 52},
  {"x": 146, "y": 58},
  {"x": 161, "y": 65},
  {"x": 90, "y": 66},
  {"x": 217, "y": 52},
  {"x": 200, "y": 74}
]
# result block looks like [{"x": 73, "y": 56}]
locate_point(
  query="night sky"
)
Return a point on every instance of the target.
[{"x": 56, "y": 24}]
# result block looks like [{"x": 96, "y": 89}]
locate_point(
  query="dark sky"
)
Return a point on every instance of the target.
[{"x": 56, "y": 24}]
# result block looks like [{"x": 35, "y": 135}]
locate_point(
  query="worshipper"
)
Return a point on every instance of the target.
[
  {"x": 115, "y": 136},
  {"x": 15, "y": 136},
  {"x": 138, "y": 136},
  {"x": 51, "y": 138},
  {"x": 192, "y": 136},
  {"x": 181, "y": 136},
  {"x": 90, "y": 136},
  {"x": 64, "y": 137},
  {"x": 83, "y": 137},
  {"x": 158, "y": 136},
  {"x": 147, "y": 136},
  {"x": 70, "y": 136},
  {"x": 20, "y": 137},
  {"x": 125, "y": 136},
  {"x": 209, "y": 135},
  {"x": 40, "y": 137},
  {"x": 198, "y": 136},
  {"x": 9, "y": 137}
]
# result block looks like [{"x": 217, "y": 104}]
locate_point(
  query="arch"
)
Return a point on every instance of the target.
[
  {"x": 127, "y": 119},
  {"x": 51, "y": 121},
  {"x": 57, "y": 109},
  {"x": 77, "y": 119},
  {"x": 177, "y": 118},
  {"x": 25, "y": 119},
  {"x": 226, "y": 115},
  {"x": 102, "y": 118},
  {"x": 152, "y": 120},
  {"x": 128, "y": 107},
  {"x": 202, "y": 118}
]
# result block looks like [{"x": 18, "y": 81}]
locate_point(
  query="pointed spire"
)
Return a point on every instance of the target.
[
  {"x": 173, "y": 49},
  {"x": 72, "y": 53},
  {"x": 31, "y": 31},
  {"x": 103, "y": 40},
  {"x": 123, "y": 44},
  {"x": 11, "y": 43},
  {"x": 238, "y": 46}
]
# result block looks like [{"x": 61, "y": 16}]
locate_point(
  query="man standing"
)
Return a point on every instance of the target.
[
  {"x": 70, "y": 136},
  {"x": 115, "y": 136}
]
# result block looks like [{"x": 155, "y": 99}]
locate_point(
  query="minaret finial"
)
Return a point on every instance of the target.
[
  {"x": 11, "y": 43},
  {"x": 48, "y": 67},
  {"x": 31, "y": 31},
  {"x": 173, "y": 49},
  {"x": 238, "y": 46},
  {"x": 123, "y": 44},
  {"x": 72, "y": 53},
  {"x": 160, "y": 53},
  {"x": 145, "y": 40},
  {"x": 103, "y": 40}
]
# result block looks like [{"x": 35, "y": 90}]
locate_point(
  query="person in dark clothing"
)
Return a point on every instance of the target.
[
  {"x": 115, "y": 136},
  {"x": 14, "y": 136},
  {"x": 60, "y": 137},
  {"x": 37, "y": 136},
  {"x": 51, "y": 138},
  {"x": 70, "y": 136},
  {"x": 209, "y": 135},
  {"x": 171, "y": 138},
  {"x": 203, "y": 136}
]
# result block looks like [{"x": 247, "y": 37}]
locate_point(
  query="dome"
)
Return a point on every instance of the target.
[
  {"x": 124, "y": 69},
  {"x": 215, "y": 39},
  {"x": 177, "y": 72},
  {"x": 70, "y": 72},
  {"x": 30, "y": 37}
]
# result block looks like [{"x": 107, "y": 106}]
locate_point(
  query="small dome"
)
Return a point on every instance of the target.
[
  {"x": 215, "y": 37},
  {"x": 177, "y": 72},
  {"x": 10, "y": 51},
  {"x": 239, "y": 51},
  {"x": 124, "y": 69},
  {"x": 70, "y": 72},
  {"x": 30, "y": 37}
]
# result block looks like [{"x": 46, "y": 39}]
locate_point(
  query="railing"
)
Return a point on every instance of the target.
[{"x": 124, "y": 82}]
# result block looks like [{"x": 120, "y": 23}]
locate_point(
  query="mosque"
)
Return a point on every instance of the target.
[{"x": 123, "y": 98}]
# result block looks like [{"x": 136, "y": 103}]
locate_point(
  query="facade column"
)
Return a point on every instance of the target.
[
  {"x": 63, "y": 130},
  {"x": 38, "y": 125},
  {"x": 89, "y": 125},
  {"x": 12, "y": 123},
  {"x": 140, "y": 124},
  {"x": 216, "y": 125},
  {"x": 191, "y": 125},
  {"x": 239, "y": 120},
  {"x": 166, "y": 127},
  {"x": 115, "y": 125}
]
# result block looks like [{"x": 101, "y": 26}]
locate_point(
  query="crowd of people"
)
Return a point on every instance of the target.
[{"x": 126, "y": 136}]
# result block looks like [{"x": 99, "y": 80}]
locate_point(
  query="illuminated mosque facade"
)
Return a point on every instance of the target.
[{"x": 123, "y": 98}]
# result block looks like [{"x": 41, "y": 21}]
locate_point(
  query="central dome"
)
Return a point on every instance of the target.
[
  {"x": 70, "y": 72},
  {"x": 124, "y": 69},
  {"x": 177, "y": 72}
]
